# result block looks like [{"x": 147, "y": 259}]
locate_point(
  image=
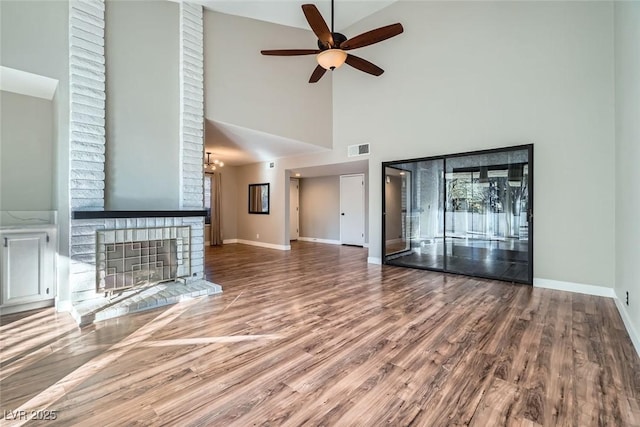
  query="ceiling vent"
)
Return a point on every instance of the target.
[{"x": 358, "y": 150}]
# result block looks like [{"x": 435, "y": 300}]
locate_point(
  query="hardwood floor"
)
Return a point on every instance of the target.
[{"x": 316, "y": 336}]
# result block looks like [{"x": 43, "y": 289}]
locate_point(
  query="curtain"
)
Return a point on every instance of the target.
[{"x": 216, "y": 215}]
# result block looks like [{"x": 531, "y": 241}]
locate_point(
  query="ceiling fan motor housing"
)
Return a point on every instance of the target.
[{"x": 338, "y": 39}]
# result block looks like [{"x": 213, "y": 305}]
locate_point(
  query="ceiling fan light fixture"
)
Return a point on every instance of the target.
[{"x": 331, "y": 58}]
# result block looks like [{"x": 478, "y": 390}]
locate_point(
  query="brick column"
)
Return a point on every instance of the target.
[
  {"x": 192, "y": 125},
  {"x": 87, "y": 137}
]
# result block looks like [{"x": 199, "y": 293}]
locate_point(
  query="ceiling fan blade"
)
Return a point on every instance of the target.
[
  {"x": 290, "y": 52},
  {"x": 317, "y": 74},
  {"x": 363, "y": 65},
  {"x": 371, "y": 37},
  {"x": 318, "y": 24}
]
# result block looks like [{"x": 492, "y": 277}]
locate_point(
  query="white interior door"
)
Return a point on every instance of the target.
[
  {"x": 352, "y": 209},
  {"x": 294, "y": 209}
]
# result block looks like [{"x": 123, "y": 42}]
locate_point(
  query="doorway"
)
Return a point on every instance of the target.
[
  {"x": 294, "y": 209},
  {"x": 352, "y": 209},
  {"x": 397, "y": 219}
]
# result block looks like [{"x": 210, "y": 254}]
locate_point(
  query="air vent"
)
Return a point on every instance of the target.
[{"x": 358, "y": 150}]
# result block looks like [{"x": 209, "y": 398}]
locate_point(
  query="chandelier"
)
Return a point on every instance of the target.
[{"x": 212, "y": 164}]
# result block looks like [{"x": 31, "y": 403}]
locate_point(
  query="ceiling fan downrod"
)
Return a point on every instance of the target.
[{"x": 332, "y": 17}]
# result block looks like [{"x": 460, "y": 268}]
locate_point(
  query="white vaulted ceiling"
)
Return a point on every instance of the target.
[
  {"x": 289, "y": 12},
  {"x": 237, "y": 145},
  {"x": 242, "y": 138}
]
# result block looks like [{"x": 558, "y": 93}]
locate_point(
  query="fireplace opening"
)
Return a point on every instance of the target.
[{"x": 133, "y": 257}]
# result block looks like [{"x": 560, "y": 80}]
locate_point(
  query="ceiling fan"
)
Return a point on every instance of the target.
[{"x": 333, "y": 47}]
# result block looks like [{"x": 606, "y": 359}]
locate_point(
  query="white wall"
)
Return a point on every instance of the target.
[
  {"x": 627, "y": 173},
  {"x": 34, "y": 37},
  {"x": 264, "y": 93},
  {"x": 320, "y": 207},
  {"x": 269, "y": 229},
  {"x": 274, "y": 228},
  {"x": 27, "y": 153},
  {"x": 474, "y": 75},
  {"x": 142, "y": 61}
]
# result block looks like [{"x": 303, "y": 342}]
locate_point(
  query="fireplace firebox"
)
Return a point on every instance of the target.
[{"x": 135, "y": 257}]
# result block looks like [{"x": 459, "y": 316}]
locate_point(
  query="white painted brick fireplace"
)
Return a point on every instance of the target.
[{"x": 88, "y": 141}]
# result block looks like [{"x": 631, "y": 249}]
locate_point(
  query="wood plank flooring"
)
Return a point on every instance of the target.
[{"x": 316, "y": 336}]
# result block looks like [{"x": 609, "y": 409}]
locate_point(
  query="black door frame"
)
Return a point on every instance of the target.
[{"x": 530, "y": 181}]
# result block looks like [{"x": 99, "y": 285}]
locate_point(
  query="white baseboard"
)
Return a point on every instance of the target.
[
  {"x": 366, "y": 245},
  {"x": 374, "y": 260},
  {"x": 315, "y": 239},
  {"x": 228, "y": 241},
  {"x": 601, "y": 291},
  {"x": 626, "y": 319},
  {"x": 207, "y": 243},
  {"x": 264, "y": 245}
]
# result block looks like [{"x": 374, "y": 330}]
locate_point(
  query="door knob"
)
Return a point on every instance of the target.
[{"x": 342, "y": 214}]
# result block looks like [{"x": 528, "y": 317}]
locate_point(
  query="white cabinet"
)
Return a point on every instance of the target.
[{"x": 27, "y": 268}]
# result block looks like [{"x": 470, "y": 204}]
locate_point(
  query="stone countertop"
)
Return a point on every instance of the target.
[
  {"x": 27, "y": 227},
  {"x": 28, "y": 220}
]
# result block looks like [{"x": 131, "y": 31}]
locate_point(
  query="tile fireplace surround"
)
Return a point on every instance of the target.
[{"x": 93, "y": 301}]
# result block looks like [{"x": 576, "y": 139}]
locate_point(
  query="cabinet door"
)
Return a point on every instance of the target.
[{"x": 23, "y": 268}]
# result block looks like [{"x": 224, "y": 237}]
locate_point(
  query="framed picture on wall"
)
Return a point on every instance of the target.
[{"x": 259, "y": 198}]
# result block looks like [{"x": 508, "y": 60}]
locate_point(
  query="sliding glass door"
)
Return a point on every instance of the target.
[{"x": 465, "y": 213}]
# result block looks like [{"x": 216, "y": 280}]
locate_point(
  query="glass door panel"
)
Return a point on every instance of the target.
[
  {"x": 487, "y": 231},
  {"x": 467, "y": 214},
  {"x": 397, "y": 220},
  {"x": 422, "y": 210}
]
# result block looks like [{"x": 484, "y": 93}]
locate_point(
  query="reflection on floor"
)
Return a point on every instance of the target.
[
  {"x": 504, "y": 260},
  {"x": 394, "y": 246}
]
